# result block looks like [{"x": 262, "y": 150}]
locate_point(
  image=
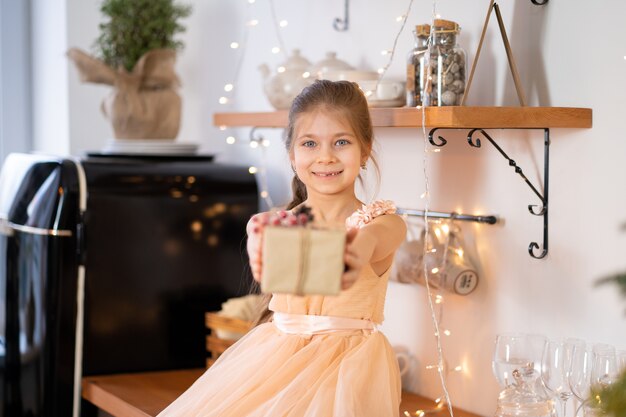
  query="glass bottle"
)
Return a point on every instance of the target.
[
  {"x": 525, "y": 397},
  {"x": 446, "y": 66},
  {"x": 415, "y": 65}
]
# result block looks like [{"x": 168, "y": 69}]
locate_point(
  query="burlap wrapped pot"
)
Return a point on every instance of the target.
[{"x": 144, "y": 103}]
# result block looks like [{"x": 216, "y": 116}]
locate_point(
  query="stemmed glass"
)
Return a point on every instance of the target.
[
  {"x": 556, "y": 366},
  {"x": 516, "y": 351},
  {"x": 605, "y": 369},
  {"x": 580, "y": 373}
]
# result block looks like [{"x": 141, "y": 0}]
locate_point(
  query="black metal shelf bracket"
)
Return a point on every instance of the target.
[{"x": 536, "y": 210}]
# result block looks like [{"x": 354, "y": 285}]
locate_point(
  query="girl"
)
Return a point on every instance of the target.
[{"x": 319, "y": 356}]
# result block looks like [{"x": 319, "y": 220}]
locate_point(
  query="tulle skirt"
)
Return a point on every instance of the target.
[{"x": 271, "y": 373}]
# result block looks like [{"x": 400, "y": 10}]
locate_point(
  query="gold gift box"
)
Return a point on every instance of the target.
[{"x": 302, "y": 260}]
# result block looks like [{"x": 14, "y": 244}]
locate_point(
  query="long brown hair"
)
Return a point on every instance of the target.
[{"x": 343, "y": 98}]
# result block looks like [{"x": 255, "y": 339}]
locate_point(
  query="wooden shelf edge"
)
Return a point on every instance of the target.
[
  {"x": 146, "y": 394},
  {"x": 108, "y": 401},
  {"x": 466, "y": 117},
  {"x": 412, "y": 402}
]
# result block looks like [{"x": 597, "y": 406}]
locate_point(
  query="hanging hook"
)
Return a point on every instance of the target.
[
  {"x": 255, "y": 138},
  {"x": 539, "y": 3},
  {"x": 341, "y": 25},
  {"x": 432, "y": 140}
]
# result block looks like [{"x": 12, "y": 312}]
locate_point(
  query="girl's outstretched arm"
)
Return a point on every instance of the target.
[{"x": 375, "y": 243}]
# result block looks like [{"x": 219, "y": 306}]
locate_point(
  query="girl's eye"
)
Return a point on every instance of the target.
[
  {"x": 342, "y": 142},
  {"x": 308, "y": 144}
]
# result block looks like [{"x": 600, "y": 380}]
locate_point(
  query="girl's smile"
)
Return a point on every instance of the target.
[{"x": 330, "y": 174}]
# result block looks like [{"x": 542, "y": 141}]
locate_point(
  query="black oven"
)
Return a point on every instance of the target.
[{"x": 107, "y": 265}]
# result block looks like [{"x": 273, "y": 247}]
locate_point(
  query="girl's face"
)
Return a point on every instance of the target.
[{"x": 326, "y": 153}]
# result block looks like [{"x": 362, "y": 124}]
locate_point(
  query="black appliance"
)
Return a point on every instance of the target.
[{"x": 137, "y": 248}]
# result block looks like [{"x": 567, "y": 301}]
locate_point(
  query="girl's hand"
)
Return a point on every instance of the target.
[
  {"x": 358, "y": 254},
  {"x": 255, "y": 227}
]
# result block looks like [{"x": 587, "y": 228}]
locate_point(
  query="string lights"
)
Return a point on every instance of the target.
[
  {"x": 437, "y": 246},
  {"x": 441, "y": 369},
  {"x": 229, "y": 89}
]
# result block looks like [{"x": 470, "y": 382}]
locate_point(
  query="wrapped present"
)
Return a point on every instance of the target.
[{"x": 303, "y": 260}]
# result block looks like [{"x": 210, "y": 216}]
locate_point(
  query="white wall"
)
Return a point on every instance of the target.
[
  {"x": 569, "y": 53},
  {"x": 50, "y": 77}
]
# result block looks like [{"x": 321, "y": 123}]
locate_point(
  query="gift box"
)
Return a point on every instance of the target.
[{"x": 302, "y": 260}]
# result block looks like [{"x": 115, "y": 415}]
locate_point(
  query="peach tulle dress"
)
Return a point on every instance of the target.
[{"x": 320, "y": 356}]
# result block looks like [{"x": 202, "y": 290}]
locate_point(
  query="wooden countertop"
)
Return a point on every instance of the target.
[{"x": 147, "y": 394}]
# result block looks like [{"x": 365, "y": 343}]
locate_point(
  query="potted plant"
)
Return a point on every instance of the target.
[{"x": 135, "y": 53}]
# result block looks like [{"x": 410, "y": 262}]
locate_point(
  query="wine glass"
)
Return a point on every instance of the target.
[
  {"x": 605, "y": 368},
  {"x": 580, "y": 373},
  {"x": 556, "y": 365},
  {"x": 516, "y": 351}
]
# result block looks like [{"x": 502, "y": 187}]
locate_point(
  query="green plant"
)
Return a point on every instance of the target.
[
  {"x": 135, "y": 27},
  {"x": 612, "y": 399}
]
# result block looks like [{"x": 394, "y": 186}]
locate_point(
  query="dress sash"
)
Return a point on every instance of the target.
[{"x": 311, "y": 325}]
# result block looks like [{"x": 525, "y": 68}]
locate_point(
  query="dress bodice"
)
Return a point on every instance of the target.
[{"x": 365, "y": 299}]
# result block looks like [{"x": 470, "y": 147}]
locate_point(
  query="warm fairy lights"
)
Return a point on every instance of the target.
[{"x": 241, "y": 46}]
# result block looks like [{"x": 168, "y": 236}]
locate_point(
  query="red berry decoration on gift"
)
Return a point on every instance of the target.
[
  {"x": 304, "y": 214},
  {"x": 300, "y": 217}
]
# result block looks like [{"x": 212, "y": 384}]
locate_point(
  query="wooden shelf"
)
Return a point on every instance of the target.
[
  {"x": 444, "y": 117},
  {"x": 147, "y": 394}
]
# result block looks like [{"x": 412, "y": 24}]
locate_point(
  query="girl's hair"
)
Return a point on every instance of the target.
[{"x": 344, "y": 99}]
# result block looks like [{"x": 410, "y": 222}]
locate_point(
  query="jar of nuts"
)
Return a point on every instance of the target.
[
  {"x": 441, "y": 69},
  {"x": 414, "y": 65}
]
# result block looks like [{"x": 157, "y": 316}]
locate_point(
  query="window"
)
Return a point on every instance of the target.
[{"x": 15, "y": 78}]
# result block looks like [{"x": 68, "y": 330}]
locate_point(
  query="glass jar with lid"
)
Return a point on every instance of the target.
[
  {"x": 525, "y": 397},
  {"x": 446, "y": 65},
  {"x": 415, "y": 65}
]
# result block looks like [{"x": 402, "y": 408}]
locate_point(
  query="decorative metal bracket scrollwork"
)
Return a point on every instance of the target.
[{"x": 536, "y": 210}]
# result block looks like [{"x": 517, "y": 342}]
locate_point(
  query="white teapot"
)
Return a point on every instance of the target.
[
  {"x": 290, "y": 78},
  {"x": 330, "y": 64}
]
